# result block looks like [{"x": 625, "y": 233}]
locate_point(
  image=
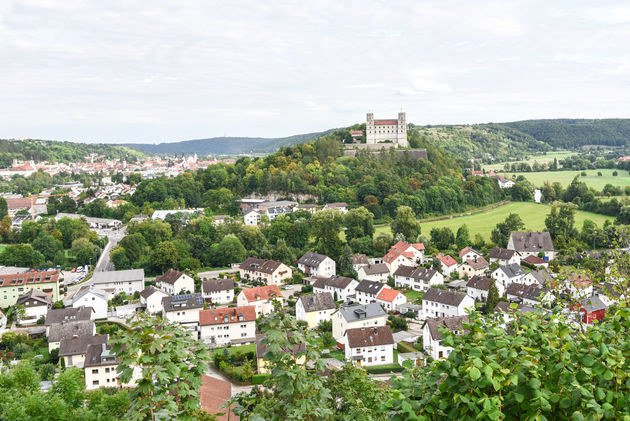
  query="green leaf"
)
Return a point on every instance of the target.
[
  {"x": 534, "y": 383},
  {"x": 588, "y": 360},
  {"x": 565, "y": 403},
  {"x": 474, "y": 374}
]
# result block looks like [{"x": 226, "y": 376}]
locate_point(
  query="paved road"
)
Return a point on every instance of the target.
[{"x": 212, "y": 274}]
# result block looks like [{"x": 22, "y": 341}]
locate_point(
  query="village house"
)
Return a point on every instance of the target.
[
  {"x": 297, "y": 352},
  {"x": 251, "y": 216},
  {"x": 532, "y": 244},
  {"x": 528, "y": 295},
  {"x": 310, "y": 208},
  {"x": 358, "y": 261},
  {"x": 432, "y": 337},
  {"x": 391, "y": 299},
  {"x": 117, "y": 281},
  {"x": 377, "y": 272},
  {"x": 366, "y": 291},
  {"x": 218, "y": 291},
  {"x": 574, "y": 286},
  {"x": 441, "y": 303},
  {"x": 269, "y": 272},
  {"x": 261, "y": 298},
  {"x": 340, "y": 206},
  {"x": 341, "y": 287},
  {"x": 19, "y": 282},
  {"x": 537, "y": 277},
  {"x": 355, "y": 316},
  {"x": 477, "y": 266},
  {"x": 100, "y": 368},
  {"x": 234, "y": 326},
  {"x": 507, "y": 274},
  {"x": 535, "y": 261},
  {"x": 468, "y": 253},
  {"x": 448, "y": 264},
  {"x": 174, "y": 282},
  {"x": 68, "y": 314},
  {"x": 183, "y": 309},
  {"x": 479, "y": 286},
  {"x": 69, "y": 330},
  {"x": 403, "y": 253},
  {"x": 315, "y": 308},
  {"x": 504, "y": 256},
  {"x": 36, "y": 305},
  {"x": 315, "y": 264},
  {"x": 90, "y": 296},
  {"x": 417, "y": 279},
  {"x": 73, "y": 350},
  {"x": 152, "y": 297},
  {"x": 369, "y": 346},
  {"x": 590, "y": 309}
]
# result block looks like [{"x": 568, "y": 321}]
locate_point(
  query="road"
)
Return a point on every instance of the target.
[{"x": 213, "y": 274}]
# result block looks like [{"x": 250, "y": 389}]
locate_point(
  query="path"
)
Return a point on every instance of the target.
[{"x": 236, "y": 388}]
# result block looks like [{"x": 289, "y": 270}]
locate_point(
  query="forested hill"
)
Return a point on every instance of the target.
[
  {"x": 56, "y": 151},
  {"x": 228, "y": 145}
]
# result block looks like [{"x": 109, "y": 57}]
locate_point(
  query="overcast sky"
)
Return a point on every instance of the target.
[{"x": 138, "y": 71}]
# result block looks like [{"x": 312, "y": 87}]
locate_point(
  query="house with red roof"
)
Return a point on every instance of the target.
[
  {"x": 403, "y": 253},
  {"x": 390, "y": 299},
  {"x": 261, "y": 298},
  {"x": 447, "y": 262},
  {"x": 222, "y": 326}
]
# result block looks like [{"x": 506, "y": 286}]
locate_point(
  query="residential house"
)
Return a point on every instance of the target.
[
  {"x": 590, "y": 309},
  {"x": 269, "y": 272},
  {"x": 341, "y": 287},
  {"x": 432, "y": 335},
  {"x": 448, "y": 264},
  {"x": 417, "y": 279},
  {"x": 356, "y": 315},
  {"x": 307, "y": 207},
  {"x": 261, "y": 298},
  {"x": 90, "y": 296},
  {"x": 340, "y": 206},
  {"x": 183, "y": 309},
  {"x": 73, "y": 350},
  {"x": 574, "y": 286},
  {"x": 507, "y": 274},
  {"x": 366, "y": 291},
  {"x": 36, "y": 304},
  {"x": 315, "y": 264},
  {"x": 315, "y": 308},
  {"x": 537, "y": 277},
  {"x": 174, "y": 282},
  {"x": 528, "y": 295},
  {"x": 377, "y": 272},
  {"x": 369, "y": 346},
  {"x": 251, "y": 216},
  {"x": 222, "y": 326},
  {"x": 403, "y": 253},
  {"x": 477, "y": 266},
  {"x": 532, "y": 244},
  {"x": 442, "y": 303},
  {"x": 14, "y": 283},
  {"x": 152, "y": 297},
  {"x": 218, "y": 291},
  {"x": 68, "y": 314},
  {"x": 391, "y": 299},
  {"x": 358, "y": 261},
  {"x": 118, "y": 281},
  {"x": 297, "y": 352},
  {"x": 504, "y": 256},
  {"x": 610, "y": 293},
  {"x": 479, "y": 286},
  {"x": 101, "y": 366},
  {"x": 69, "y": 330},
  {"x": 535, "y": 261},
  {"x": 468, "y": 253}
]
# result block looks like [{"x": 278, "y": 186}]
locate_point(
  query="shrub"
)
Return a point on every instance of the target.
[
  {"x": 47, "y": 371},
  {"x": 259, "y": 378},
  {"x": 380, "y": 369}
]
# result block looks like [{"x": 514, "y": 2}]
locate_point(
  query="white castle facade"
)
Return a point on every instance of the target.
[{"x": 379, "y": 131}]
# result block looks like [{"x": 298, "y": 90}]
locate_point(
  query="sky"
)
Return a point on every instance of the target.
[{"x": 162, "y": 71}]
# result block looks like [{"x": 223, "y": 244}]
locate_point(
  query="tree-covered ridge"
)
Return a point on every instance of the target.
[
  {"x": 574, "y": 133},
  {"x": 56, "y": 151}
]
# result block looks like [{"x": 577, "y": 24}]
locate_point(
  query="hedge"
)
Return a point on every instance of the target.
[
  {"x": 260, "y": 378},
  {"x": 405, "y": 347},
  {"x": 380, "y": 369}
]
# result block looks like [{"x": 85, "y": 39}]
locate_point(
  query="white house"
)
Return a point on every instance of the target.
[
  {"x": 183, "y": 309},
  {"x": 417, "y": 279},
  {"x": 448, "y": 264},
  {"x": 234, "y": 325},
  {"x": 90, "y": 296},
  {"x": 151, "y": 297},
  {"x": 315, "y": 308},
  {"x": 537, "y": 277},
  {"x": 174, "y": 282},
  {"x": 504, "y": 256},
  {"x": 358, "y": 261},
  {"x": 355, "y": 316},
  {"x": 252, "y": 217},
  {"x": 117, "y": 281},
  {"x": 391, "y": 299},
  {"x": 403, "y": 253},
  {"x": 471, "y": 267},
  {"x": 100, "y": 369},
  {"x": 468, "y": 253},
  {"x": 369, "y": 346},
  {"x": 218, "y": 291},
  {"x": 315, "y": 264},
  {"x": 508, "y": 273},
  {"x": 479, "y": 286},
  {"x": 269, "y": 272},
  {"x": 432, "y": 337},
  {"x": 36, "y": 304},
  {"x": 73, "y": 350},
  {"x": 532, "y": 244},
  {"x": 339, "y": 286},
  {"x": 261, "y": 298},
  {"x": 376, "y": 272},
  {"x": 366, "y": 291},
  {"x": 340, "y": 206},
  {"x": 442, "y": 303}
]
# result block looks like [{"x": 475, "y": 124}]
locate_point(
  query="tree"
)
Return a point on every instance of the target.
[
  {"x": 229, "y": 250},
  {"x": 4, "y": 208},
  {"x": 359, "y": 222},
  {"x": 462, "y": 239},
  {"x": 501, "y": 232},
  {"x": 172, "y": 365},
  {"x": 493, "y": 297},
  {"x": 346, "y": 267},
  {"x": 406, "y": 223},
  {"x": 561, "y": 222},
  {"x": 164, "y": 256},
  {"x": 442, "y": 238},
  {"x": 325, "y": 228},
  {"x": 383, "y": 241}
]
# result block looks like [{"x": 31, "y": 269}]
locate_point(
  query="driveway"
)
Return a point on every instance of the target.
[{"x": 236, "y": 389}]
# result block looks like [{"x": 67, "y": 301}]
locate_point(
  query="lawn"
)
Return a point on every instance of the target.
[
  {"x": 565, "y": 177},
  {"x": 2, "y": 247},
  {"x": 543, "y": 158},
  {"x": 532, "y": 214},
  {"x": 236, "y": 350},
  {"x": 412, "y": 295}
]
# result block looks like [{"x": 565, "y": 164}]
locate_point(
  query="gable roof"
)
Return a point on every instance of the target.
[
  {"x": 216, "y": 316},
  {"x": 512, "y": 270},
  {"x": 214, "y": 285},
  {"x": 78, "y": 345},
  {"x": 441, "y": 296},
  {"x": 369, "y": 336},
  {"x": 531, "y": 241},
  {"x": 530, "y": 292},
  {"x": 317, "y": 302},
  {"x": 264, "y": 292},
  {"x": 592, "y": 304},
  {"x": 86, "y": 289},
  {"x": 67, "y": 330},
  {"x": 28, "y": 278},
  {"x": 359, "y": 259},
  {"x": 480, "y": 282},
  {"x": 401, "y": 248},
  {"x": 418, "y": 273},
  {"x": 446, "y": 259},
  {"x": 478, "y": 263},
  {"x": 260, "y": 265},
  {"x": 541, "y": 276},
  {"x": 467, "y": 250},
  {"x": 184, "y": 301},
  {"x": 451, "y": 323},
  {"x": 352, "y": 313},
  {"x": 369, "y": 287},
  {"x": 170, "y": 277},
  {"x": 311, "y": 258},
  {"x": 376, "y": 269},
  {"x": 150, "y": 290},
  {"x": 99, "y": 354},
  {"x": 42, "y": 298},
  {"x": 118, "y": 276},
  {"x": 534, "y": 260},
  {"x": 335, "y": 281},
  {"x": 388, "y": 294},
  {"x": 501, "y": 254},
  {"x": 68, "y": 314}
]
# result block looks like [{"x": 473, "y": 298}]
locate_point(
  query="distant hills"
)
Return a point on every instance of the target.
[{"x": 228, "y": 145}]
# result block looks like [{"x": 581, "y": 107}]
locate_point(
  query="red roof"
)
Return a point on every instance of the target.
[
  {"x": 400, "y": 248},
  {"x": 418, "y": 246},
  {"x": 213, "y": 394},
  {"x": 262, "y": 293},
  {"x": 18, "y": 202},
  {"x": 447, "y": 260},
  {"x": 385, "y": 122},
  {"x": 388, "y": 294},
  {"x": 29, "y": 278},
  {"x": 356, "y": 132},
  {"x": 465, "y": 250},
  {"x": 534, "y": 260},
  {"x": 216, "y": 316}
]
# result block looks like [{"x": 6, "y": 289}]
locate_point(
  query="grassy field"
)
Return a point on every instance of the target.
[
  {"x": 565, "y": 177},
  {"x": 533, "y": 215},
  {"x": 548, "y": 157}
]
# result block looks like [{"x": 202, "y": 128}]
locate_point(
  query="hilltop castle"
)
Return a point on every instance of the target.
[{"x": 379, "y": 131}]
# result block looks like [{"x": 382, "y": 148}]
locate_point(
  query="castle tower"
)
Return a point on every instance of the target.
[
  {"x": 402, "y": 130},
  {"x": 369, "y": 129}
]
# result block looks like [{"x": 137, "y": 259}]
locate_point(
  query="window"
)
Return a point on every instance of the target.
[
  {"x": 95, "y": 371},
  {"x": 383, "y": 358},
  {"x": 107, "y": 369},
  {"x": 95, "y": 383}
]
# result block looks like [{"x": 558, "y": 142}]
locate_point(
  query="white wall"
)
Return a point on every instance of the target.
[
  {"x": 225, "y": 333},
  {"x": 98, "y": 304}
]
